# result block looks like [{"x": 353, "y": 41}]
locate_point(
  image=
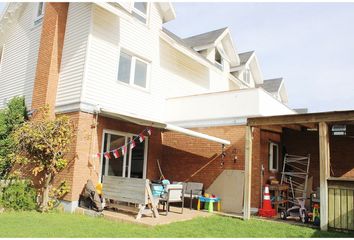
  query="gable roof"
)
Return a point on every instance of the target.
[
  {"x": 176, "y": 38},
  {"x": 245, "y": 56},
  {"x": 271, "y": 85},
  {"x": 204, "y": 38}
]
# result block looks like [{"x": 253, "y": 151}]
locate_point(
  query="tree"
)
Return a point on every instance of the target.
[
  {"x": 11, "y": 117},
  {"x": 43, "y": 143}
]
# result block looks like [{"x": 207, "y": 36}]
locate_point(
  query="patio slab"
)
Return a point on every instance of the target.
[{"x": 173, "y": 216}]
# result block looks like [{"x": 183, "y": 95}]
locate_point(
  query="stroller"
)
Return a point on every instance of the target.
[
  {"x": 295, "y": 173},
  {"x": 90, "y": 199}
]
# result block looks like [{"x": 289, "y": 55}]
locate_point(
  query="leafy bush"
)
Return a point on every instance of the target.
[
  {"x": 11, "y": 117},
  {"x": 42, "y": 143},
  {"x": 19, "y": 195}
]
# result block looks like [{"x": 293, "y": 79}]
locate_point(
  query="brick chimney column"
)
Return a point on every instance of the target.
[{"x": 49, "y": 55}]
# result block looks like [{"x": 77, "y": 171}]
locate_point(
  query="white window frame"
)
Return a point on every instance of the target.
[
  {"x": 247, "y": 76},
  {"x": 38, "y": 18},
  {"x": 126, "y": 135},
  {"x": 271, "y": 153},
  {"x": 141, "y": 14},
  {"x": 132, "y": 71}
]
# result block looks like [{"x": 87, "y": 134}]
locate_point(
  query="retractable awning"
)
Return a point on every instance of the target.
[{"x": 158, "y": 124}]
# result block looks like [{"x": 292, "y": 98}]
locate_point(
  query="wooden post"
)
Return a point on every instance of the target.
[
  {"x": 324, "y": 173},
  {"x": 248, "y": 174}
]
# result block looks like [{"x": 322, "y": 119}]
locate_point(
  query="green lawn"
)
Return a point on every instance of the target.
[{"x": 33, "y": 224}]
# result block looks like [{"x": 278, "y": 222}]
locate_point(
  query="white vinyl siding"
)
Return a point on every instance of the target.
[
  {"x": 74, "y": 54},
  {"x": 169, "y": 73},
  {"x": 2, "y": 48},
  {"x": 109, "y": 35},
  {"x": 19, "y": 61},
  {"x": 179, "y": 74}
]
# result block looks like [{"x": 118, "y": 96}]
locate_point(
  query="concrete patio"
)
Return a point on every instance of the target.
[{"x": 124, "y": 216}]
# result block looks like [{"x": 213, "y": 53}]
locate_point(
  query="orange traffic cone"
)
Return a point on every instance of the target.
[{"x": 267, "y": 210}]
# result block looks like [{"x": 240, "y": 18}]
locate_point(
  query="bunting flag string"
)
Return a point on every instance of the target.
[{"x": 140, "y": 137}]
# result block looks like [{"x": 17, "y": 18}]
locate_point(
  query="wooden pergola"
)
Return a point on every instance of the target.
[{"x": 310, "y": 120}]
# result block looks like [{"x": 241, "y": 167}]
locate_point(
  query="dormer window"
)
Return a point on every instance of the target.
[
  {"x": 218, "y": 59},
  {"x": 140, "y": 11},
  {"x": 247, "y": 76},
  {"x": 39, "y": 13}
]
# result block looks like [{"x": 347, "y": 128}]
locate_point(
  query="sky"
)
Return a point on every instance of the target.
[{"x": 310, "y": 45}]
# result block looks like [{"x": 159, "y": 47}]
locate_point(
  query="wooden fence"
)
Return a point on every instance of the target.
[{"x": 341, "y": 205}]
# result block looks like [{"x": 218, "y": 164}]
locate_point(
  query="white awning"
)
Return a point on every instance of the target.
[{"x": 157, "y": 124}]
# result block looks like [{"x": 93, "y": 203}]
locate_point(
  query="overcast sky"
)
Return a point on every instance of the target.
[{"x": 310, "y": 45}]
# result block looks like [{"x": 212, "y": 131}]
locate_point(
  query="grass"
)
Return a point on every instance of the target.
[{"x": 34, "y": 224}]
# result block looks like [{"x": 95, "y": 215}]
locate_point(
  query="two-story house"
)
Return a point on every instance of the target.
[{"x": 115, "y": 70}]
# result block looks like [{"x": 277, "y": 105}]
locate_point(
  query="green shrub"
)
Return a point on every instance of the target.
[
  {"x": 11, "y": 117},
  {"x": 19, "y": 195}
]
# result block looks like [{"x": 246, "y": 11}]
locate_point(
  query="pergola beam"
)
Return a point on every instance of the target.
[
  {"x": 248, "y": 174},
  {"x": 324, "y": 173},
  {"x": 336, "y": 116}
]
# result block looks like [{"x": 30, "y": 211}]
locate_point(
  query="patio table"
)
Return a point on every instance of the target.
[{"x": 209, "y": 203}]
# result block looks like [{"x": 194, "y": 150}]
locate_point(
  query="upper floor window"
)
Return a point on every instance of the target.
[
  {"x": 132, "y": 70},
  {"x": 218, "y": 59},
  {"x": 273, "y": 156},
  {"x": 140, "y": 11},
  {"x": 39, "y": 13},
  {"x": 247, "y": 76}
]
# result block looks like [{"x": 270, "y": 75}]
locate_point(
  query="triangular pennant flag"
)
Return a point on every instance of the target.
[
  {"x": 149, "y": 131},
  {"x": 116, "y": 153},
  {"x": 107, "y": 155},
  {"x": 132, "y": 144},
  {"x": 124, "y": 150},
  {"x": 141, "y": 137},
  {"x": 98, "y": 155}
]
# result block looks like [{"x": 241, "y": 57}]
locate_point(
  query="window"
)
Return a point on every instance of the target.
[
  {"x": 273, "y": 156},
  {"x": 140, "y": 11},
  {"x": 247, "y": 76},
  {"x": 218, "y": 59},
  {"x": 132, "y": 70},
  {"x": 132, "y": 164},
  {"x": 39, "y": 13}
]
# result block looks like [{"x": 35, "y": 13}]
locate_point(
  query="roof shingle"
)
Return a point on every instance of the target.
[
  {"x": 244, "y": 57},
  {"x": 204, "y": 38},
  {"x": 271, "y": 85}
]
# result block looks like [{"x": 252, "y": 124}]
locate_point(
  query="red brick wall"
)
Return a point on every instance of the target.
[
  {"x": 263, "y": 159},
  {"x": 303, "y": 143},
  {"x": 342, "y": 154},
  {"x": 188, "y": 158},
  {"x": 192, "y": 159},
  {"x": 88, "y": 141},
  {"x": 306, "y": 142},
  {"x": 49, "y": 55}
]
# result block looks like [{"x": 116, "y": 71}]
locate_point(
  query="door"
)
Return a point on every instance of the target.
[{"x": 132, "y": 164}]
